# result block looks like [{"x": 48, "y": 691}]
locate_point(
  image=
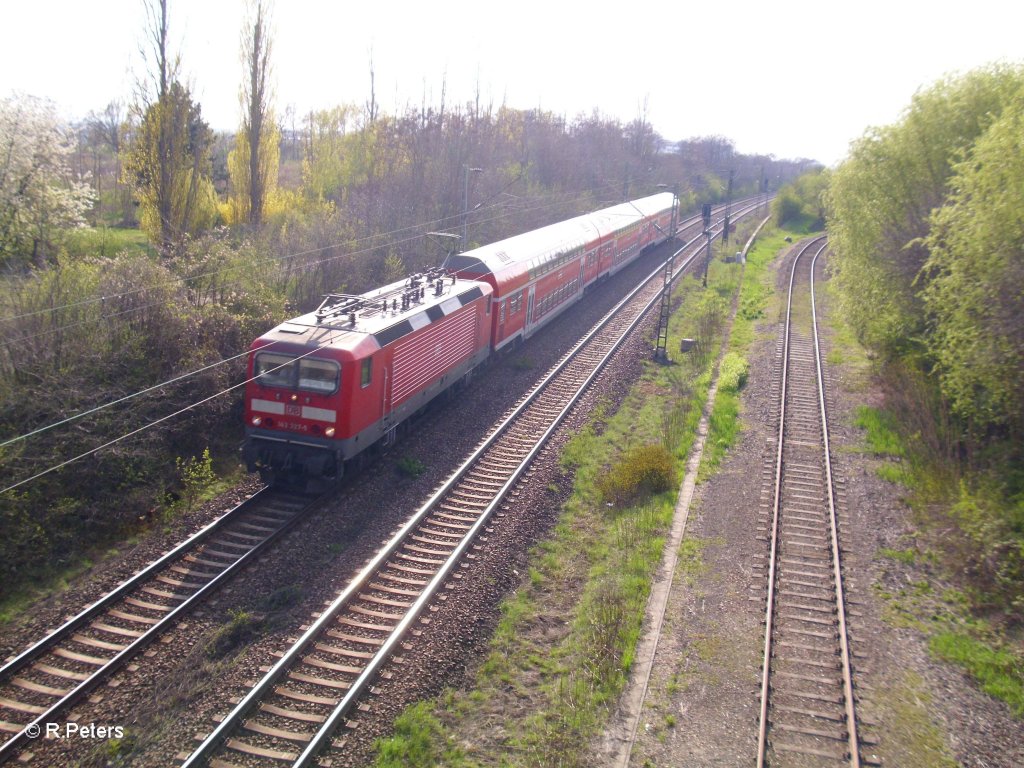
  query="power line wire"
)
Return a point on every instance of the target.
[
  {"x": 52, "y": 331},
  {"x": 156, "y": 422},
  {"x": 146, "y": 390}
]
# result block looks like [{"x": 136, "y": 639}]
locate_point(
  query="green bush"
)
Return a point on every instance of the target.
[
  {"x": 786, "y": 207},
  {"x": 196, "y": 474},
  {"x": 992, "y": 546},
  {"x": 732, "y": 374},
  {"x": 410, "y": 467},
  {"x": 645, "y": 469}
]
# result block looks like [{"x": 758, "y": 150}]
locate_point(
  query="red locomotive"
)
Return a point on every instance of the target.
[{"x": 325, "y": 386}]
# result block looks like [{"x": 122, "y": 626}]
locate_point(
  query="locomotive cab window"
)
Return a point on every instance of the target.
[
  {"x": 273, "y": 370},
  {"x": 366, "y": 376},
  {"x": 318, "y": 376}
]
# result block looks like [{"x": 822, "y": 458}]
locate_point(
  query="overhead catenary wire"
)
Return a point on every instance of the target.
[
  {"x": 159, "y": 421},
  {"x": 124, "y": 399},
  {"x": 434, "y": 223},
  {"x": 542, "y": 203},
  {"x": 146, "y": 390},
  {"x": 139, "y": 393}
]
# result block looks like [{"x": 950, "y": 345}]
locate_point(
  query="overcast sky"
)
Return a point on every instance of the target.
[{"x": 743, "y": 69}]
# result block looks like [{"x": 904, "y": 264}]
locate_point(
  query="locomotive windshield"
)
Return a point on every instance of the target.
[{"x": 309, "y": 374}]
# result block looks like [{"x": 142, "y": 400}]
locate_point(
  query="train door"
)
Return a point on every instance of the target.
[
  {"x": 529, "y": 308},
  {"x": 501, "y": 320},
  {"x": 605, "y": 257}
]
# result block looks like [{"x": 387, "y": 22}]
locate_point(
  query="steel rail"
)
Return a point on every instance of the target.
[
  {"x": 852, "y": 739},
  {"x": 762, "y": 734},
  {"x": 39, "y": 648},
  {"x": 204, "y": 752},
  {"x": 76, "y": 694},
  {"x": 853, "y": 742}
]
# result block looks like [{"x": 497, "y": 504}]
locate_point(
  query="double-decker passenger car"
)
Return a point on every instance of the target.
[{"x": 536, "y": 275}]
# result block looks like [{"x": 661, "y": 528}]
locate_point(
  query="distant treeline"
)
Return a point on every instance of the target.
[{"x": 94, "y": 309}]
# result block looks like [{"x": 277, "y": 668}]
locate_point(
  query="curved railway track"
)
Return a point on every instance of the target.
[
  {"x": 60, "y": 670},
  {"x": 808, "y": 708},
  {"x": 294, "y": 712},
  {"x": 56, "y": 673}
]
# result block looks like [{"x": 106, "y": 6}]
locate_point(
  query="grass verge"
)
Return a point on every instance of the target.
[
  {"x": 564, "y": 644},
  {"x": 752, "y": 305},
  {"x": 968, "y": 524}
]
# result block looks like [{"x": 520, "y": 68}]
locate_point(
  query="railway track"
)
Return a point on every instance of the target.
[
  {"x": 292, "y": 715},
  {"x": 808, "y": 708},
  {"x": 59, "y": 671}
]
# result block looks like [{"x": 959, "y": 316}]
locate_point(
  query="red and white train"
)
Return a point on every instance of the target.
[{"x": 327, "y": 385}]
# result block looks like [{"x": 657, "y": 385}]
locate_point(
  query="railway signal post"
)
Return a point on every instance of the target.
[
  {"x": 706, "y": 213},
  {"x": 661, "y": 348}
]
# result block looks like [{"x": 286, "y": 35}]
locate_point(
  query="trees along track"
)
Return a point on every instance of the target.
[
  {"x": 60, "y": 670},
  {"x": 292, "y": 714},
  {"x": 807, "y": 715}
]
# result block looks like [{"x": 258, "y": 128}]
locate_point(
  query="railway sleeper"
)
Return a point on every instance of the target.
[
  {"x": 94, "y": 643},
  {"x": 20, "y": 706},
  {"x": 814, "y": 732},
  {"x": 830, "y": 682},
  {"x": 433, "y": 527},
  {"x": 808, "y": 619},
  {"x": 394, "y": 590},
  {"x": 111, "y": 629},
  {"x": 49, "y": 690},
  {"x": 147, "y": 606},
  {"x": 403, "y": 604},
  {"x": 347, "y": 669},
  {"x": 805, "y": 662},
  {"x": 82, "y": 658},
  {"x": 277, "y": 733},
  {"x": 299, "y": 677},
  {"x": 306, "y": 698},
  {"x": 815, "y": 713},
  {"x": 218, "y": 565},
  {"x": 346, "y": 652},
  {"x": 292, "y": 714},
  {"x": 244, "y": 747}
]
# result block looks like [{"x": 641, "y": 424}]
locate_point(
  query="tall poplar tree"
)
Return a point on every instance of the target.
[
  {"x": 254, "y": 162},
  {"x": 168, "y": 162}
]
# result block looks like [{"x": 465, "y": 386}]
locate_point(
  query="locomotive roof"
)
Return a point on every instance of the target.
[
  {"x": 521, "y": 252},
  {"x": 385, "y": 314}
]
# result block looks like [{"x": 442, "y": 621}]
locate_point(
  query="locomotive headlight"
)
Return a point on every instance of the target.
[
  {"x": 329, "y": 432},
  {"x": 256, "y": 421}
]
